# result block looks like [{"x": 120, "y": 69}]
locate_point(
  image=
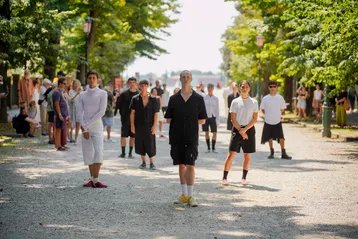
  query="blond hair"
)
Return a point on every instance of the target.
[
  {"x": 32, "y": 103},
  {"x": 73, "y": 83}
]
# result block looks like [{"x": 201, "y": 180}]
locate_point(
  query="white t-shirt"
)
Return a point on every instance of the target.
[
  {"x": 273, "y": 106},
  {"x": 244, "y": 109},
  {"x": 165, "y": 98}
]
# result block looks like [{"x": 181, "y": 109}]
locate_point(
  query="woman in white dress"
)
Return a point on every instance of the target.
[
  {"x": 35, "y": 97},
  {"x": 73, "y": 96},
  {"x": 160, "y": 114}
]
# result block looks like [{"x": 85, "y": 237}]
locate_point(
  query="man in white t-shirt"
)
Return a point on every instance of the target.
[
  {"x": 244, "y": 113},
  {"x": 213, "y": 120},
  {"x": 273, "y": 105}
]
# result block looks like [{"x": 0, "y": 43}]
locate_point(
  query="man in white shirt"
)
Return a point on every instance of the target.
[
  {"x": 43, "y": 106},
  {"x": 244, "y": 113},
  {"x": 213, "y": 120},
  {"x": 91, "y": 107},
  {"x": 165, "y": 98},
  {"x": 226, "y": 92},
  {"x": 273, "y": 105}
]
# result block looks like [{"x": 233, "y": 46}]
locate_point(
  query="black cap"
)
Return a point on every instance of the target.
[
  {"x": 143, "y": 82},
  {"x": 61, "y": 73}
]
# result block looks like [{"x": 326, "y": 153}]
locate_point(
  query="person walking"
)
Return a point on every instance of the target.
[
  {"x": 107, "y": 119},
  {"x": 154, "y": 93},
  {"x": 186, "y": 111},
  {"x": 91, "y": 107},
  {"x": 61, "y": 115},
  {"x": 36, "y": 97},
  {"x": 144, "y": 119},
  {"x": 25, "y": 89},
  {"x": 352, "y": 98},
  {"x": 317, "y": 103},
  {"x": 43, "y": 106},
  {"x": 213, "y": 120},
  {"x": 73, "y": 96},
  {"x": 244, "y": 113},
  {"x": 50, "y": 114},
  {"x": 273, "y": 106},
  {"x": 123, "y": 104},
  {"x": 341, "y": 115},
  {"x": 165, "y": 98},
  {"x": 235, "y": 94},
  {"x": 301, "y": 104}
]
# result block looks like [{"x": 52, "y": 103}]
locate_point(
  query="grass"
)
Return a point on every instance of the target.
[{"x": 353, "y": 132}]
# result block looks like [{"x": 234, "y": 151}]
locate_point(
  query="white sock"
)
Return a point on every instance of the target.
[
  {"x": 95, "y": 180},
  {"x": 183, "y": 189},
  {"x": 91, "y": 178},
  {"x": 190, "y": 190}
]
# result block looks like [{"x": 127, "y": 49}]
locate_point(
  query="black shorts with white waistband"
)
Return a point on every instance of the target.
[
  {"x": 274, "y": 132},
  {"x": 237, "y": 142}
]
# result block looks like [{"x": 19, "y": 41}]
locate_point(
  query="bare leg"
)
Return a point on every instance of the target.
[
  {"x": 160, "y": 126},
  {"x": 77, "y": 130},
  {"x": 131, "y": 142},
  {"x": 57, "y": 137},
  {"x": 228, "y": 161},
  {"x": 246, "y": 163},
  {"x": 190, "y": 175},
  {"x": 151, "y": 160},
  {"x": 90, "y": 167},
  {"x": 96, "y": 169},
  {"x": 304, "y": 113},
  {"x": 207, "y": 136},
  {"x": 32, "y": 128},
  {"x": 49, "y": 131},
  {"x": 108, "y": 132},
  {"x": 123, "y": 141},
  {"x": 143, "y": 159},
  {"x": 214, "y": 136},
  {"x": 282, "y": 143},
  {"x": 182, "y": 173},
  {"x": 270, "y": 143}
]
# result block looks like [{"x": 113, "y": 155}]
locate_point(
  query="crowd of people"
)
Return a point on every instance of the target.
[{"x": 59, "y": 109}]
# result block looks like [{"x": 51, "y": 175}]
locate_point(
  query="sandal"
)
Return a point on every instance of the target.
[{"x": 61, "y": 149}]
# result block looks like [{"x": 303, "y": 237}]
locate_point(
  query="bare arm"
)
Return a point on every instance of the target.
[
  {"x": 234, "y": 121},
  {"x": 201, "y": 121},
  {"x": 251, "y": 124},
  {"x": 154, "y": 127},
  {"x": 58, "y": 110},
  {"x": 132, "y": 118}
]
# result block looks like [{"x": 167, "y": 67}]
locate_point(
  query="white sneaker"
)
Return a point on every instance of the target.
[{"x": 112, "y": 141}]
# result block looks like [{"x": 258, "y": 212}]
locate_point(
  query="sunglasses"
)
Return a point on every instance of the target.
[{"x": 272, "y": 86}]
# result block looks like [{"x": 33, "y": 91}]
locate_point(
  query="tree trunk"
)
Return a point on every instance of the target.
[
  {"x": 51, "y": 60},
  {"x": 93, "y": 15},
  {"x": 4, "y": 50}
]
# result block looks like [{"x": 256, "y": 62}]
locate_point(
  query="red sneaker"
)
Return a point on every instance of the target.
[
  {"x": 99, "y": 185},
  {"x": 88, "y": 184}
]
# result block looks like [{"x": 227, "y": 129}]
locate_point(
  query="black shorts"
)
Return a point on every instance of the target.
[
  {"x": 184, "y": 154},
  {"x": 237, "y": 142},
  {"x": 274, "y": 132},
  {"x": 210, "y": 122},
  {"x": 51, "y": 117},
  {"x": 59, "y": 124},
  {"x": 126, "y": 130},
  {"x": 145, "y": 143}
]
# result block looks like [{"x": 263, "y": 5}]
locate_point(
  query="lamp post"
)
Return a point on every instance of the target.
[
  {"x": 260, "y": 39},
  {"x": 327, "y": 115},
  {"x": 87, "y": 29}
]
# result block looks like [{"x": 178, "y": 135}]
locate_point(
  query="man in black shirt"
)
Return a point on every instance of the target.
[
  {"x": 158, "y": 88},
  {"x": 186, "y": 110},
  {"x": 123, "y": 104},
  {"x": 144, "y": 119}
]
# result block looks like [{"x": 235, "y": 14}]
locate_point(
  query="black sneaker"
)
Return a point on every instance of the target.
[
  {"x": 122, "y": 155},
  {"x": 130, "y": 156},
  {"x": 285, "y": 156}
]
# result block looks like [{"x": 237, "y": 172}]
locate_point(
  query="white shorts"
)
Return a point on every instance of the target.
[
  {"x": 301, "y": 104},
  {"x": 160, "y": 115},
  {"x": 92, "y": 148}
]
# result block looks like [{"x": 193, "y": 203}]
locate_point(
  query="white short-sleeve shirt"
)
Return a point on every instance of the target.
[
  {"x": 273, "y": 106},
  {"x": 244, "y": 109}
]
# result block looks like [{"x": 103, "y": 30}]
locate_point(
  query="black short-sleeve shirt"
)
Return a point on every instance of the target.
[
  {"x": 184, "y": 127},
  {"x": 160, "y": 91},
  {"x": 144, "y": 116},
  {"x": 341, "y": 96},
  {"x": 124, "y": 101}
]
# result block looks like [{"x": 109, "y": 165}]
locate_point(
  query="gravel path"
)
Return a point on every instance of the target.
[{"x": 315, "y": 195}]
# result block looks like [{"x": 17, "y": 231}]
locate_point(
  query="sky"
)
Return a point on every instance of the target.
[{"x": 195, "y": 39}]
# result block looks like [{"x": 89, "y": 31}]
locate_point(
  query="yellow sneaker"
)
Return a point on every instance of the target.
[
  {"x": 192, "y": 202},
  {"x": 181, "y": 200}
]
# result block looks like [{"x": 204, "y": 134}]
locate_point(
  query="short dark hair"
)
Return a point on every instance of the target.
[
  {"x": 61, "y": 73},
  {"x": 132, "y": 79},
  {"x": 143, "y": 82},
  {"x": 245, "y": 82},
  {"x": 210, "y": 85},
  {"x": 93, "y": 72},
  {"x": 272, "y": 82},
  {"x": 61, "y": 80}
]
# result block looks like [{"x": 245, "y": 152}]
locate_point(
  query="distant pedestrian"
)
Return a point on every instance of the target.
[
  {"x": 244, "y": 113},
  {"x": 186, "y": 111},
  {"x": 33, "y": 114},
  {"x": 25, "y": 89},
  {"x": 352, "y": 98},
  {"x": 160, "y": 113},
  {"x": 50, "y": 114},
  {"x": 123, "y": 104},
  {"x": 73, "y": 96},
  {"x": 165, "y": 98},
  {"x": 226, "y": 92},
  {"x": 36, "y": 97},
  {"x": 144, "y": 119},
  {"x": 301, "y": 104},
  {"x": 235, "y": 94},
  {"x": 213, "y": 120},
  {"x": 273, "y": 106},
  {"x": 61, "y": 115},
  {"x": 158, "y": 88},
  {"x": 317, "y": 103},
  {"x": 91, "y": 107},
  {"x": 107, "y": 119},
  {"x": 341, "y": 115},
  {"x": 46, "y": 84}
]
